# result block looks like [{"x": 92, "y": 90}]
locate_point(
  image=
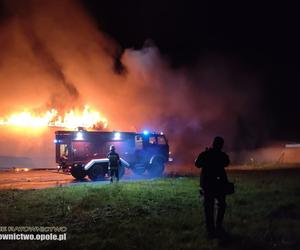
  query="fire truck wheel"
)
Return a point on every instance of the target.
[
  {"x": 78, "y": 172},
  {"x": 156, "y": 168},
  {"x": 96, "y": 173},
  {"x": 138, "y": 169}
]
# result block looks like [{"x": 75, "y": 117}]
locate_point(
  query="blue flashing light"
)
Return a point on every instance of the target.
[
  {"x": 117, "y": 136},
  {"x": 146, "y": 132},
  {"x": 79, "y": 136}
]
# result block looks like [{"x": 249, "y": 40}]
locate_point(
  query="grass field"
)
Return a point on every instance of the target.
[{"x": 159, "y": 214}]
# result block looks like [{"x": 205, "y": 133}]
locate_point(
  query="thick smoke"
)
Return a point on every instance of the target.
[
  {"x": 51, "y": 66},
  {"x": 53, "y": 55},
  {"x": 47, "y": 47},
  {"x": 216, "y": 97}
]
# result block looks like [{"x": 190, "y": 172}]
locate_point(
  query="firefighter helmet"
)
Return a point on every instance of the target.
[{"x": 112, "y": 148}]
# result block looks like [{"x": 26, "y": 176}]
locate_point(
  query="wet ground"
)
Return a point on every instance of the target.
[
  {"x": 38, "y": 179},
  {"x": 33, "y": 179}
]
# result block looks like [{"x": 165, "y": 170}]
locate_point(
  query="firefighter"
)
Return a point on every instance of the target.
[
  {"x": 64, "y": 159},
  {"x": 113, "y": 164},
  {"x": 213, "y": 179}
]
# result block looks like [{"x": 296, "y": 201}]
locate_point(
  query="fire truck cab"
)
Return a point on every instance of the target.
[{"x": 85, "y": 152}]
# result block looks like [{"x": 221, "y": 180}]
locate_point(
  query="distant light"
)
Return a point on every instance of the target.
[
  {"x": 21, "y": 169},
  {"x": 55, "y": 141},
  {"x": 79, "y": 135},
  {"x": 161, "y": 133},
  {"x": 146, "y": 132},
  {"x": 117, "y": 136},
  {"x": 293, "y": 145}
]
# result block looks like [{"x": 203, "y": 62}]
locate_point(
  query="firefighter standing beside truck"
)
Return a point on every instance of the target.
[
  {"x": 113, "y": 163},
  {"x": 213, "y": 183}
]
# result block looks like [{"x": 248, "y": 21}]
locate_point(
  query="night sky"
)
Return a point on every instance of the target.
[{"x": 262, "y": 38}]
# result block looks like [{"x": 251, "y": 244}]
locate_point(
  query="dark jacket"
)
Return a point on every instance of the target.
[
  {"x": 114, "y": 160},
  {"x": 213, "y": 174}
]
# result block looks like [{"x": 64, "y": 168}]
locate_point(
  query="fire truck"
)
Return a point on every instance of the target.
[{"x": 84, "y": 153}]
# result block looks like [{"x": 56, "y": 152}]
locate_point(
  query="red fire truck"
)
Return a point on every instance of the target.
[{"x": 84, "y": 152}]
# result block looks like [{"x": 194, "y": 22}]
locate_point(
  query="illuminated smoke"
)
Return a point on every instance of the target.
[{"x": 51, "y": 66}]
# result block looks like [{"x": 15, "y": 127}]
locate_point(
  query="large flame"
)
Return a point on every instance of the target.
[{"x": 72, "y": 119}]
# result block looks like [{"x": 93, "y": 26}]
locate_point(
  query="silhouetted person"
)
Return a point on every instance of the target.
[
  {"x": 113, "y": 163},
  {"x": 212, "y": 180}
]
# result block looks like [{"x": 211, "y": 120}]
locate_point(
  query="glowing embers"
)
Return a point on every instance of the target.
[{"x": 72, "y": 119}]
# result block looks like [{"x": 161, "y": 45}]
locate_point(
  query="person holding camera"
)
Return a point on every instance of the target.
[{"x": 214, "y": 186}]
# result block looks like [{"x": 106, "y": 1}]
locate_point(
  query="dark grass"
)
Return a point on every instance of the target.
[{"x": 160, "y": 214}]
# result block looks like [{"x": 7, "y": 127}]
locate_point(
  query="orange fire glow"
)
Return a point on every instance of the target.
[{"x": 72, "y": 119}]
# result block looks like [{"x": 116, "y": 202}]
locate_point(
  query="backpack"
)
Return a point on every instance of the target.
[{"x": 113, "y": 160}]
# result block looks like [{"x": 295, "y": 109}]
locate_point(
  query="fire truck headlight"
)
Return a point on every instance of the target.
[
  {"x": 117, "y": 136},
  {"x": 79, "y": 135}
]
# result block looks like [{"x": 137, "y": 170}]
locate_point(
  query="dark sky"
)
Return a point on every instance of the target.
[{"x": 262, "y": 37}]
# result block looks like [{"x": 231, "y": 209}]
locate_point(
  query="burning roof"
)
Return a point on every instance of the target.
[{"x": 74, "y": 118}]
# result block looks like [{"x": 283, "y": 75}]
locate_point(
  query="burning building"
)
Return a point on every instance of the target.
[
  {"x": 27, "y": 136},
  {"x": 52, "y": 62}
]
